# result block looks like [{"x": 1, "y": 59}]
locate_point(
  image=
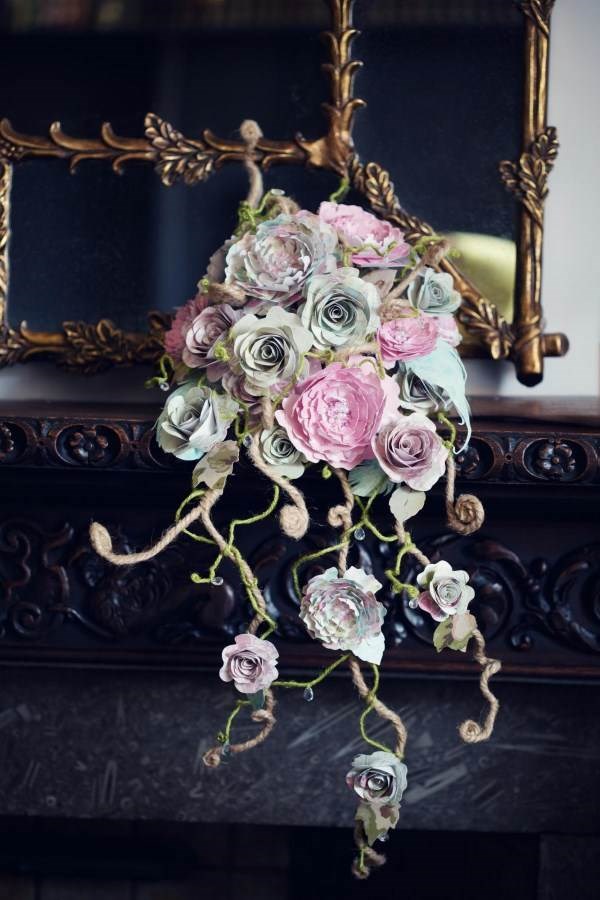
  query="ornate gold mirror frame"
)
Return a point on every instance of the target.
[{"x": 89, "y": 347}]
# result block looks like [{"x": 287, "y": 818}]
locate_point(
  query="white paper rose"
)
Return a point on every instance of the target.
[
  {"x": 433, "y": 292},
  {"x": 340, "y": 309},
  {"x": 273, "y": 264},
  {"x": 270, "y": 351},
  {"x": 194, "y": 419},
  {"x": 378, "y": 778},
  {"x": 343, "y": 613},
  {"x": 278, "y": 452},
  {"x": 445, "y": 591}
]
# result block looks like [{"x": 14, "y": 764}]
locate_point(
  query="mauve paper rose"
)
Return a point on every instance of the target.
[
  {"x": 270, "y": 351},
  {"x": 343, "y": 614},
  {"x": 209, "y": 329},
  {"x": 420, "y": 396},
  {"x": 446, "y": 592},
  {"x": 193, "y": 420},
  {"x": 273, "y": 264},
  {"x": 407, "y": 337},
  {"x": 181, "y": 324},
  {"x": 250, "y": 663},
  {"x": 278, "y": 452},
  {"x": 340, "y": 309},
  {"x": 234, "y": 383},
  {"x": 332, "y": 416},
  {"x": 378, "y": 778},
  {"x": 433, "y": 292},
  {"x": 448, "y": 330},
  {"x": 371, "y": 242},
  {"x": 410, "y": 451}
]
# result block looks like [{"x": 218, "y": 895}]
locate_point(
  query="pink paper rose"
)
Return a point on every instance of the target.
[
  {"x": 181, "y": 324},
  {"x": 448, "y": 330},
  {"x": 407, "y": 337},
  {"x": 374, "y": 242},
  {"x": 410, "y": 451},
  {"x": 332, "y": 415},
  {"x": 250, "y": 663},
  {"x": 446, "y": 593}
]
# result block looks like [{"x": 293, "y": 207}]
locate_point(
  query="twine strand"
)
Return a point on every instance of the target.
[
  {"x": 470, "y": 731},
  {"x": 293, "y": 517},
  {"x": 251, "y": 134},
  {"x": 367, "y": 858},
  {"x": 101, "y": 541},
  {"x": 265, "y": 717},
  {"x": 383, "y": 711},
  {"x": 340, "y": 516},
  {"x": 465, "y": 514}
]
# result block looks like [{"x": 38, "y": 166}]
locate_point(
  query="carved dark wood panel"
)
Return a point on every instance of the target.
[{"x": 535, "y": 564}]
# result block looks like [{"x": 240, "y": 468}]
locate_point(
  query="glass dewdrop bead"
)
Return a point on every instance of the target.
[
  {"x": 247, "y": 441},
  {"x": 413, "y": 604},
  {"x": 309, "y": 694},
  {"x": 217, "y": 581},
  {"x": 359, "y": 534},
  {"x": 225, "y": 750},
  {"x": 164, "y": 386}
]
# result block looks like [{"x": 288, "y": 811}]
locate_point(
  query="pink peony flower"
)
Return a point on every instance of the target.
[
  {"x": 208, "y": 329},
  {"x": 410, "y": 451},
  {"x": 374, "y": 242},
  {"x": 332, "y": 416},
  {"x": 448, "y": 330},
  {"x": 343, "y": 613},
  {"x": 407, "y": 338},
  {"x": 181, "y": 324},
  {"x": 250, "y": 663}
]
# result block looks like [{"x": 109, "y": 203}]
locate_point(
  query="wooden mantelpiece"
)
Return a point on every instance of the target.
[{"x": 535, "y": 564}]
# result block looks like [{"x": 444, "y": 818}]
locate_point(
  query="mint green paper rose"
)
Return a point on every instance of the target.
[
  {"x": 433, "y": 293},
  {"x": 194, "y": 419},
  {"x": 340, "y": 309}
]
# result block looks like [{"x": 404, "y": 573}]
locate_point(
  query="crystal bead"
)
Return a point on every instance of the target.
[
  {"x": 164, "y": 386},
  {"x": 413, "y": 604},
  {"x": 225, "y": 750},
  {"x": 247, "y": 440},
  {"x": 217, "y": 581},
  {"x": 383, "y": 837},
  {"x": 309, "y": 694},
  {"x": 359, "y": 534}
]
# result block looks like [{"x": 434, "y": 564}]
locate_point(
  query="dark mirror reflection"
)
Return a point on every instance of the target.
[
  {"x": 96, "y": 245},
  {"x": 443, "y": 81}
]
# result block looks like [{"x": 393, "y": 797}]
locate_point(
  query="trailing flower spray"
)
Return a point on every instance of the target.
[{"x": 323, "y": 339}]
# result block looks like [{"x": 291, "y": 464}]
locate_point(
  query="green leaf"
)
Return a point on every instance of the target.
[
  {"x": 257, "y": 700},
  {"x": 442, "y": 637},
  {"x": 368, "y": 478},
  {"x": 376, "y": 820}
]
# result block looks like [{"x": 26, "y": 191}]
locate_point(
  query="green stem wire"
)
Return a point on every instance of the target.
[
  {"x": 370, "y": 700},
  {"x": 225, "y": 735},
  {"x": 393, "y": 574},
  {"x": 444, "y": 420},
  {"x": 341, "y": 191},
  {"x": 317, "y": 680}
]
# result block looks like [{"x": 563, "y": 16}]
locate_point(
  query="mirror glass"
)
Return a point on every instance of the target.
[
  {"x": 443, "y": 81},
  {"x": 94, "y": 245}
]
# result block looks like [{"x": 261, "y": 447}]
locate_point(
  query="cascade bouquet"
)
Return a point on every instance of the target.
[{"x": 323, "y": 339}]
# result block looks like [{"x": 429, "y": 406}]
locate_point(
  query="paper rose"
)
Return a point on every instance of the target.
[
  {"x": 269, "y": 351},
  {"x": 193, "y": 420},
  {"x": 182, "y": 322},
  {"x": 370, "y": 242},
  {"x": 420, "y": 396},
  {"x": 209, "y": 329},
  {"x": 410, "y": 451},
  {"x": 446, "y": 592},
  {"x": 433, "y": 292},
  {"x": 378, "y": 778},
  {"x": 278, "y": 452},
  {"x": 343, "y": 613},
  {"x": 340, "y": 309},
  {"x": 274, "y": 264},
  {"x": 332, "y": 416},
  {"x": 407, "y": 337},
  {"x": 250, "y": 663}
]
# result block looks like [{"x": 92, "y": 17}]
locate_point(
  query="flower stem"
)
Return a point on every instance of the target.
[
  {"x": 370, "y": 700},
  {"x": 319, "y": 678}
]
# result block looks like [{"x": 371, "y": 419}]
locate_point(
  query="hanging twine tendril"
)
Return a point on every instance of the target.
[
  {"x": 340, "y": 516},
  {"x": 465, "y": 514},
  {"x": 293, "y": 517},
  {"x": 367, "y": 858},
  {"x": 265, "y": 717},
  {"x": 470, "y": 731}
]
